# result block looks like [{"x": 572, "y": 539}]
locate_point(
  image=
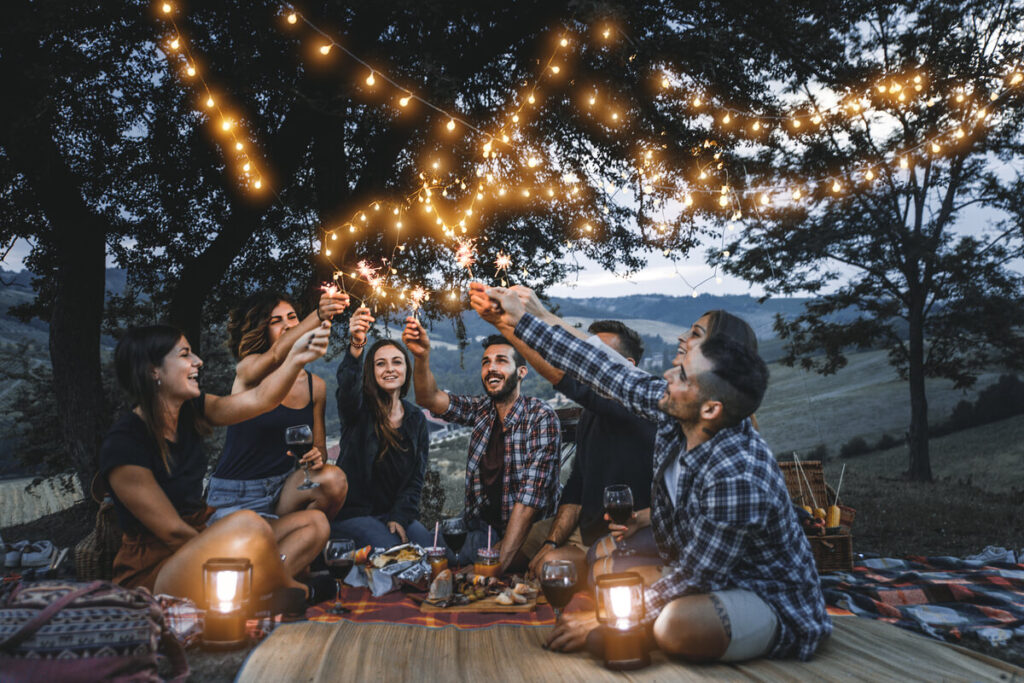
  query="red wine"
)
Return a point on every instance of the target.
[
  {"x": 455, "y": 541},
  {"x": 339, "y": 568},
  {"x": 620, "y": 514},
  {"x": 558, "y": 591}
]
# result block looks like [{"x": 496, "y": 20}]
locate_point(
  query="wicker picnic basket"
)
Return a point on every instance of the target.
[{"x": 832, "y": 552}]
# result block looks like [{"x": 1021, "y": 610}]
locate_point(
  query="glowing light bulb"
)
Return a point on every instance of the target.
[
  {"x": 688, "y": 200},
  {"x": 587, "y": 227},
  {"x": 723, "y": 200},
  {"x": 797, "y": 194},
  {"x": 325, "y": 49},
  {"x": 376, "y": 206},
  {"x": 664, "y": 82},
  {"x": 960, "y": 97},
  {"x": 555, "y": 69},
  {"x": 246, "y": 167},
  {"x": 993, "y": 97},
  {"x": 1016, "y": 78},
  {"x": 225, "y": 124},
  {"x": 258, "y": 184},
  {"x": 935, "y": 148},
  {"x": 982, "y": 113},
  {"x": 175, "y": 44},
  {"x": 696, "y": 101},
  {"x": 836, "y": 186},
  {"x": 592, "y": 100},
  {"x": 816, "y": 120},
  {"x": 563, "y": 42},
  {"x": 370, "y": 80},
  {"x": 404, "y": 101},
  {"x": 532, "y": 162},
  {"x": 756, "y": 126},
  {"x": 917, "y": 79},
  {"x": 504, "y": 138},
  {"x": 694, "y": 294},
  {"x": 531, "y": 99},
  {"x": 870, "y": 175},
  {"x": 334, "y": 236},
  {"x": 607, "y": 32},
  {"x": 765, "y": 199},
  {"x": 167, "y": 8},
  {"x": 191, "y": 70},
  {"x": 292, "y": 18},
  {"x": 515, "y": 118},
  {"x": 615, "y": 116},
  {"x": 551, "y": 193},
  {"x": 703, "y": 175},
  {"x": 960, "y": 132},
  {"x": 209, "y": 102},
  {"x": 451, "y": 124},
  {"x": 904, "y": 162},
  {"x": 239, "y": 146},
  {"x": 327, "y": 252},
  {"x": 398, "y": 225},
  {"x": 726, "y": 119},
  {"x": 362, "y": 217},
  {"x": 796, "y": 123}
]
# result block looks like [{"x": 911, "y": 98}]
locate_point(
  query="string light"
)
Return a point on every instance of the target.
[
  {"x": 292, "y": 18},
  {"x": 370, "y": 80},
  {"x": 325, "y": 49},
  {"x": 451, "y": 124}
]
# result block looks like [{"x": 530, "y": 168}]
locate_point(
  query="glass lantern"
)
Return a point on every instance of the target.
[
  {"x": 620, "y": 609},
  {"x": 227, "y": 585}
]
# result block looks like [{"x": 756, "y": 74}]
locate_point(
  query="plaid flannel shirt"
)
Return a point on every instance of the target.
[
  {"x": 733, "y": 524},
  {"x": 532, "y": 447}
]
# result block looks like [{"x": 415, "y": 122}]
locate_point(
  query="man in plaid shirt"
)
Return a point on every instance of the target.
[
  {"x": 740, "y": 580},
  {"x": 513, "y": 465}
]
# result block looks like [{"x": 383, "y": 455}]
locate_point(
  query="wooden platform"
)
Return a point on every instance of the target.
[{"x": 859, "y": 650}]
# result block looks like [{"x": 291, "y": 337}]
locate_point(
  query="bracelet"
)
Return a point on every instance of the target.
[
  {"x": 356, "y": 345},
  {"x": 553, "y": 544}
]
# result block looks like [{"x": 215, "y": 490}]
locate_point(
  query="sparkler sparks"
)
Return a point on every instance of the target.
[
  {"x": 465, "y": 255},
  {"x": 501, "y": 265}
]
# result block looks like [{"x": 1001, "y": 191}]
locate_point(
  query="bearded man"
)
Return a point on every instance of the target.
[{"x": 513, "y": 465}]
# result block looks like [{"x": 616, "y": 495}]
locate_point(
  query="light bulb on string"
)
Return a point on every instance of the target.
[
  {"x": 239, "y": 146},
  {"x": 167, "y": 8},
  {"x": 935, "y": 148},
  {"x": 555, "y": 69},
  {"x": 451, "y": 124},
  {"x": 175, "y": 44},
  {"x": 531, "y": 99},
  {"x": 209, "y": 102},
  {"x": 797, "y": 194},
  {"x": 191, "y": 70},
  {"x": 292, "y": 18},
  {"x": 370, "y": 80},
  {"x": 904, "y": 162},
  {"x": 836, "y": 187},
  {"x": 869, "y": 174},
  {"x": 325, "y": 49},
  {"x": 404, "y": 101},
  {"x": 258, "y": 184}
]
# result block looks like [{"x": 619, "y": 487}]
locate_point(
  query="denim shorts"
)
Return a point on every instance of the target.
[{"x": 258, "y": 495}]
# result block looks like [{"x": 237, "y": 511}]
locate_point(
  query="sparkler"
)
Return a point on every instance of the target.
[
  {"x": 501, "y": 265},
  {"x": 465, "y": 255}
]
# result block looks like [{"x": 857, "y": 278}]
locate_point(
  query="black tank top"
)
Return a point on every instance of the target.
[{"x": 255, "y": 449}]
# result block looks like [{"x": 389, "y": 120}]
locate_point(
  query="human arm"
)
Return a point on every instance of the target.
[
  {"x": 358, "y": 327},
  {"x": 516, "y": 530},
  {"x": 637, "y": 521},
  {"x": 265, "y": 396},
  {"x": 567, "y": 518},
  {"x": 137, "y": 489},
  {"x": 349, "y": 393},
  {"x": 317, "y": 455},
  {"x": 415, "y": 338},
  {"x": 638, "y": 391},
  {"x": 713, "y": 542},
  {"x": 252, "y": 369}
]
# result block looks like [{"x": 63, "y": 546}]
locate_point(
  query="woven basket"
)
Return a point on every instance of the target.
[
  {"x": 833, "y": 552},
  {"x": 94, "y": 554}
]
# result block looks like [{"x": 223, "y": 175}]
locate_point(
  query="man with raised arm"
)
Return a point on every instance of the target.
[
  {"x": 740, "y": 581},
  {"x": 513, "y": 464},
  {"x": 613, "y": 446}
]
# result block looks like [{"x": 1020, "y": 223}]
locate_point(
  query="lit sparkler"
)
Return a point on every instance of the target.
[{"x": 501, "y": 265}]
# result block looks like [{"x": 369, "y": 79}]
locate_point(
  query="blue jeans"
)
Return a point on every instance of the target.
[
  {"x": 258, "y": 495},
  {"x": 373, "y": 531}
]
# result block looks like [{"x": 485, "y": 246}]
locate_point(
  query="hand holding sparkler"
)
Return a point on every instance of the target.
[
  {"x": 332, "y": 302},
  {"x": 358, "y": 327},
  {"x": 501, "y": 265},
  {"x": 486, "y": 307},
  {"x": 414, "y": 336}
]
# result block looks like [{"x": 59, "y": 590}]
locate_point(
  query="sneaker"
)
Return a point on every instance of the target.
[
  {"x": 37, "y": 554},
  {"x": 12, "y": 556}
]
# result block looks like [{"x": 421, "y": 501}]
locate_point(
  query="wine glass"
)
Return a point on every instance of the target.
[
  {"x": 301, "y": 435},
  {"x": 454, "y": 531},
  {"x": 618, "y": 503},
  {"x": 558, "y": 581},
  {"x": 338, "y": 556}
]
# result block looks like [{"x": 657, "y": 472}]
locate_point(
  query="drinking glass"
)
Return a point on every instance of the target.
[
  {"x": 618, "y": 503},
  {"x": 301, "y": 435},
  {"x": 338, "y": 556},
  {"x": 454, "y": 531},
  {"x": 558, "y": 581}
]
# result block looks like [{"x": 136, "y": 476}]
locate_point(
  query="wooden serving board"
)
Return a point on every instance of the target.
[{"x": 487, "y": 605}]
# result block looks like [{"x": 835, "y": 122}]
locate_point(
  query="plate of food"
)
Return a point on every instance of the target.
[{"x": 468, "y": 592}]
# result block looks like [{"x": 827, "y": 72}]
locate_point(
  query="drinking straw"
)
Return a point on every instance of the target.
[
  {"x": 488, "y": 538},
  {"x": 799, "y": 483},
  {"x": 800, "y": 467},
  {"x": 437, "y": 525},
  {"x": 840, "y": 483}
]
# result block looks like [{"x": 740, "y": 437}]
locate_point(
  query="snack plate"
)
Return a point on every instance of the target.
[{"x": 486, "y": 605}]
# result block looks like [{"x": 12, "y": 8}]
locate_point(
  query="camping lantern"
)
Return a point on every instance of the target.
[
  {"x": 227, "y": 584},
  {"x": 620, "y": 609}
]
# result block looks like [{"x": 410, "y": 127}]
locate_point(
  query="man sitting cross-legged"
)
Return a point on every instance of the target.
[
  {"x": 740, "y": 581},
  {"x": 512, "y": 469},
  {"x": 614, "y": 446}
]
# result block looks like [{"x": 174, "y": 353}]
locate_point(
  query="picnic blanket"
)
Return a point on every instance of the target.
[
  {"x": 397, "y": 607},
  {"x": 947, "y": 598}
]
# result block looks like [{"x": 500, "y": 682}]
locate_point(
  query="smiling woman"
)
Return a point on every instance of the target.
[{"x": 154, "y": 464}]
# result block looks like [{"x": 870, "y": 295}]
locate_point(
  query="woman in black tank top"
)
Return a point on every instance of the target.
[{"x": 257, "y": 471}]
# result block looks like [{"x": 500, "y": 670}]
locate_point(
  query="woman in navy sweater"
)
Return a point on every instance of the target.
[{"x": 384, "y": 443}]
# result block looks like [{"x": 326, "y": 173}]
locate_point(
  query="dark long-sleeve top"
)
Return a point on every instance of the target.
[
  {"x": 397, "y": 496},
  {"x": 613, "y": 446}
]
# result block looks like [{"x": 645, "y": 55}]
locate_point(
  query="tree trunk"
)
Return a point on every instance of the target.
[{"x": 920, "y": 468}]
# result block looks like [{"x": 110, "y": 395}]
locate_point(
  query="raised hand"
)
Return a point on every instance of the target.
[
  {"x": 509, "y": 303},
  {"x": 530, "y": 301},
  {"x": 331, "y": 304},
  {"x": 359, "y": 325},
  {"x": 414, "y": 336},
  {"x": 486, "y": 307},
  {"x": 311, "y": 345}
]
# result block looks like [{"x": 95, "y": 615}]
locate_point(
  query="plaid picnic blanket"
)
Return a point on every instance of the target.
[
  {"x": 397, "y": 607},
  {"x": 946, "y": 598}
]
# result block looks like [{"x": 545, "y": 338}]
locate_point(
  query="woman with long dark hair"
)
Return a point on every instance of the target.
[
  {"x": 154, "y": 463},
  {"x": 384, "y": 442},
  {"x": 256, "y": 470}
]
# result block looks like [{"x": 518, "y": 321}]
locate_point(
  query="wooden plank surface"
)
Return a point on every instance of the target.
[
  {"x": 859, "y": 650},
  {"x": 488, "y": 605}
]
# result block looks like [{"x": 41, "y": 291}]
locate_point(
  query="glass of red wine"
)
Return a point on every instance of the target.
[
  {"x": 454, "y": 531},
  {"x": 558, "y": 580},
  {"x": 618, "y": 503},
  {"x": 338, "y": 556}
]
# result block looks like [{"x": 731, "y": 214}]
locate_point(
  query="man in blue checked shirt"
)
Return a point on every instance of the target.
[
  {"x": 513, "y": 464},
  {"x": 739, "y": 580}
]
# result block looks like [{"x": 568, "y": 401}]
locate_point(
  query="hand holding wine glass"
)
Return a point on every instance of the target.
[
  {"x": 301, "y": 435},
  {"x": 338, "y": 556}
]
